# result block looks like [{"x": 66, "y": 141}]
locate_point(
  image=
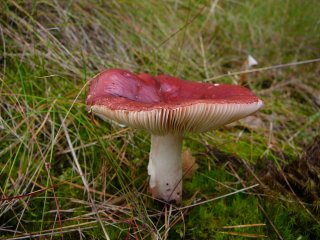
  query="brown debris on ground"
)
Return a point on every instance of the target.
[
  {"x": 302, "y": 176},
  {"x": 189, "y": 165},
  {"x": 299, "y": 179}
]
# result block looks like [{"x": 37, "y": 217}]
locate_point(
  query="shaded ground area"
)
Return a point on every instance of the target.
[{"x": 300, "y": 178}]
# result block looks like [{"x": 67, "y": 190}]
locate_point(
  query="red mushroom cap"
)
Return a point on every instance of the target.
[{"x": 165, "y": 104}]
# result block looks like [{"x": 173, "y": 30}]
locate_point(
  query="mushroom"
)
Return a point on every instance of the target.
[{"x": 167, "y": 107}]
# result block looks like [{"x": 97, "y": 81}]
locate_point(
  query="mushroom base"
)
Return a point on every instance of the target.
[{"x": 165, "y": 167}]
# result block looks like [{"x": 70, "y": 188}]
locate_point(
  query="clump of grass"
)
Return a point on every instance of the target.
[{"x": 66, "y": 174}]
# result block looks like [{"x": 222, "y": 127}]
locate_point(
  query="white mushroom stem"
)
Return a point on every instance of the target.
[{"x": 165, "y": 167}]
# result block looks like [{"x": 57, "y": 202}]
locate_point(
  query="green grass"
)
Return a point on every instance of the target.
[{"x": 51, "y": 49}]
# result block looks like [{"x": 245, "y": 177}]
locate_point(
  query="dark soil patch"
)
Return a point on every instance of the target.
[{"x": 301, "y": 177}]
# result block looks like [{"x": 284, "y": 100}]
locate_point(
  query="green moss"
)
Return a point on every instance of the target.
[{"x": 207, "y": 221}]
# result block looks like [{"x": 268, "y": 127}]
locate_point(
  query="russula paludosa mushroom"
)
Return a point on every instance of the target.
[{"x": 167, "y": 107}]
